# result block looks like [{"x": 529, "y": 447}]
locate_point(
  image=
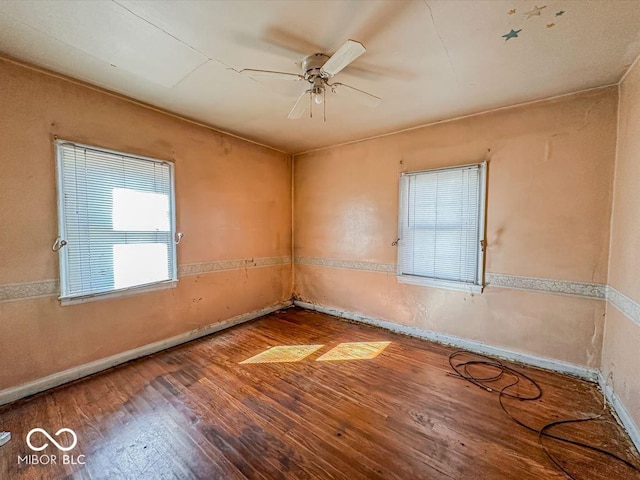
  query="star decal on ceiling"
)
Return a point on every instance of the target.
[
  {"x": 560, "y": 13},
  {"x": 551, "y": 25},
  {"x": 512, "y": 34},
  {"x": 534, "y": 12},
  {"x": 512, "y": 11}
]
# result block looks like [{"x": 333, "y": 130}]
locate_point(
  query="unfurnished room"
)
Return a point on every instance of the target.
[{"x": 320, "y": 239}]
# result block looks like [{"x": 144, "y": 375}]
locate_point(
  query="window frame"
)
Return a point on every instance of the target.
[
  {"x": 64, "y": 297},
  {"x": 439, "y": 282}
]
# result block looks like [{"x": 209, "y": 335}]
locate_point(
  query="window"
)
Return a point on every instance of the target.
[
  {"x": 116, "y": 215},
  {"x": 441, "y": 227}
]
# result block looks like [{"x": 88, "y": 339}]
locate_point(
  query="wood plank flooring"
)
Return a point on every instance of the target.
[{"x": 195, "y": 412}]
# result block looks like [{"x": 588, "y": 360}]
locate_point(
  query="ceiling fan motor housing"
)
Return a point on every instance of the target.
[{"x": 312, "y": 64}]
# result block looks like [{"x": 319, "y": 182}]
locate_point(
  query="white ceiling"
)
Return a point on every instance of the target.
[{"x": 429, "y": 60}]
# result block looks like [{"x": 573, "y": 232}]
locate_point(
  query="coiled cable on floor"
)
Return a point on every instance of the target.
[{"x": 461, "y": 369}]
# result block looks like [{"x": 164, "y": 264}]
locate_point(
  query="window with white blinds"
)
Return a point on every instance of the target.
[
  {"x": 441, "y": 227},
  {"x": 116, "y": 215}
]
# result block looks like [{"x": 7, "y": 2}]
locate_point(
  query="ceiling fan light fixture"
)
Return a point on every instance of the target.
[{"x": 318, "y": 94}]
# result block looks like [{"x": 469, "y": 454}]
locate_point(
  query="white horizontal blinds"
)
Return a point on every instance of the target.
[
  {"x": 440, "y": 225},
  {"x": 117, "y": 220}
]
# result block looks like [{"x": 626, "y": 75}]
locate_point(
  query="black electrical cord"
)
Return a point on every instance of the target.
[{"x": 461, "y": 370}]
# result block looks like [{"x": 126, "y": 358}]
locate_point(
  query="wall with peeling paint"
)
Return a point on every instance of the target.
[
  {"x": 621, "y": 353},
  {"x": 549, "y": 211},
  {"x": 233, "y": 202},
  {"x": 549, "y": 200}
]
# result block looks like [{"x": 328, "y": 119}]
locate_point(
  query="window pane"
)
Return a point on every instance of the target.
[
  {"x": 141, "y": 211},
  {"x": 139, "y": 264}
]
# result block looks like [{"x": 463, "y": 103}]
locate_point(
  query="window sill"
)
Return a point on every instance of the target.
[
  {"x": 438, "y": 283},
  {"x": 65, "y": 301}
]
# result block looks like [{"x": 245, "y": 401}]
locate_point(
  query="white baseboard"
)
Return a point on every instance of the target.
[
  {"x": 579, "y": 371},
  {"x": 15, "y": 393},
  {"x": 620, "y": 411}
]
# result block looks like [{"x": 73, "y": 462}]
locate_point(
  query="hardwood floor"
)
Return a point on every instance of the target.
[{"x": 196, "y": 412}]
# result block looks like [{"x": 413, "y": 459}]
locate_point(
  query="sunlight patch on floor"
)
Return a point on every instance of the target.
[
  {"x": 283, "y": 354},
  {"x": 354, "y": 351}
]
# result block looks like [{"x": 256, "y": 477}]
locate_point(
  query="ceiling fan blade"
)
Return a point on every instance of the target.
[
  {"x": 250, "y": 72},
  {"x": 346, "y": 54},
  {"x": 300, "y": 107},
  {"x": 360, "y": 95}
]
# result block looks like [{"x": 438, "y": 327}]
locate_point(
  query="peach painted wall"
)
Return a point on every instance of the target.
[
  {"x": 233, "y": 202},
  {"x": 621, "y": 354},
  {"x": 549, "y": 199}
]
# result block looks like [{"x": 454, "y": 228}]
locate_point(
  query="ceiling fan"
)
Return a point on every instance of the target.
[{"x": 317, "y": 70}]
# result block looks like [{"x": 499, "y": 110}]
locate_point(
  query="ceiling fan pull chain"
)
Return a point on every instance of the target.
[{"x": 324, "y": 105}]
